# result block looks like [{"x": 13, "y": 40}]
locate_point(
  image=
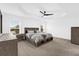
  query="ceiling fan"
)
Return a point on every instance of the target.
[{"x": 45, "y": 13}]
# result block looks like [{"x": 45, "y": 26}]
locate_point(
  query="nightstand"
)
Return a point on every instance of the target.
[
  {"x": 20, "y": 36},
  {"x": 75, "y": 35}
]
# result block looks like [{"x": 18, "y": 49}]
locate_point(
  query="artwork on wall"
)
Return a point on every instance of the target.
[
  {"x": 15, "y": 30},
  {"x": 14, "y": 27}
]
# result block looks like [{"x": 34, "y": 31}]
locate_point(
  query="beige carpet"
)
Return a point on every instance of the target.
[{"x": 57, "y": 47}]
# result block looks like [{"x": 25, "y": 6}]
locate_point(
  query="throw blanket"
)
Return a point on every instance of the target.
[{"x": 6, "y": 36}]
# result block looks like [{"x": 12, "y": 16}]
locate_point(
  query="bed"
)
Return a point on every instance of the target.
[{"x": 34, "y": 36}]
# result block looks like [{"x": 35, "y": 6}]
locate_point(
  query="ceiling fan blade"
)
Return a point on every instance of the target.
[
  {"x": 41, "y": 12},
  {"x": 44, "y": 12}
]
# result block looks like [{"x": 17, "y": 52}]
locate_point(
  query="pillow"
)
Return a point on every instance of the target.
[
  {"x": 26, "y": 31},
  {"x": 35, "y": 31},
  {"x": 30, "y": 31},
  {"x": 38, "y": 31}
]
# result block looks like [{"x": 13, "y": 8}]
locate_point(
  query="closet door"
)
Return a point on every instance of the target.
[{"x": 0, "y": 22}]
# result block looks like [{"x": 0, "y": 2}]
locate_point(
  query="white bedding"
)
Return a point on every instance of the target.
[{"x": 6, "y": 36}]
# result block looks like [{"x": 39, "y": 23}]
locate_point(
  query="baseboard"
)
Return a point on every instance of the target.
[{"x": 60, "y": 38}]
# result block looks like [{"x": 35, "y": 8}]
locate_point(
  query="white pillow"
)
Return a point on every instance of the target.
[{"x": 30, "y": 31}]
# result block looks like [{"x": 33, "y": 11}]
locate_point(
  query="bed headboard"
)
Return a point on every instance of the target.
[{"x": 30, "y": 29}]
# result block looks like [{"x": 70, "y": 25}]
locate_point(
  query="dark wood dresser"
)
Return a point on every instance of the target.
[{"x": 75, "y": 35}]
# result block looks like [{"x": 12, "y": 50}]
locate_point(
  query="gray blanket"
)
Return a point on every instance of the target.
[{"x": 37, "y": 37}]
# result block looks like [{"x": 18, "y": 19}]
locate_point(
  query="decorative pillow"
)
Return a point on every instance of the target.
[
  {"x": 35, "y": 31},
  {"x": 38, "y": 31},
  {"x": 26, "y": 31},
  {"x": 30, "y": 31}
]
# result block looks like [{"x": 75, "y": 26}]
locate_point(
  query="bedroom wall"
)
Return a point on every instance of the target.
[
  {"x": 61, "y": 26},
  {"x": 10, "y": 20},
  {"x": 58, "y": 26}
]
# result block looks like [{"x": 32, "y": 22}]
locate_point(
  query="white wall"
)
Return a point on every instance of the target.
[
  {"x": 10, "y": 20},
  {"x": 61, "y": 27},
  {"x": 59, "y": 24}
]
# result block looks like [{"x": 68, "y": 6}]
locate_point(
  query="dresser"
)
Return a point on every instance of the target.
[
  {"x": 75, "y": 35},
  {"x": 8, "y": 45}
]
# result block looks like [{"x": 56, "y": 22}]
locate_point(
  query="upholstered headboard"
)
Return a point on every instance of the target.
[{"x": 31, "y": 29}]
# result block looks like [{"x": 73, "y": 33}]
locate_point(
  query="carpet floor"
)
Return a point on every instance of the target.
[{"x": 56, "y": 47}]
